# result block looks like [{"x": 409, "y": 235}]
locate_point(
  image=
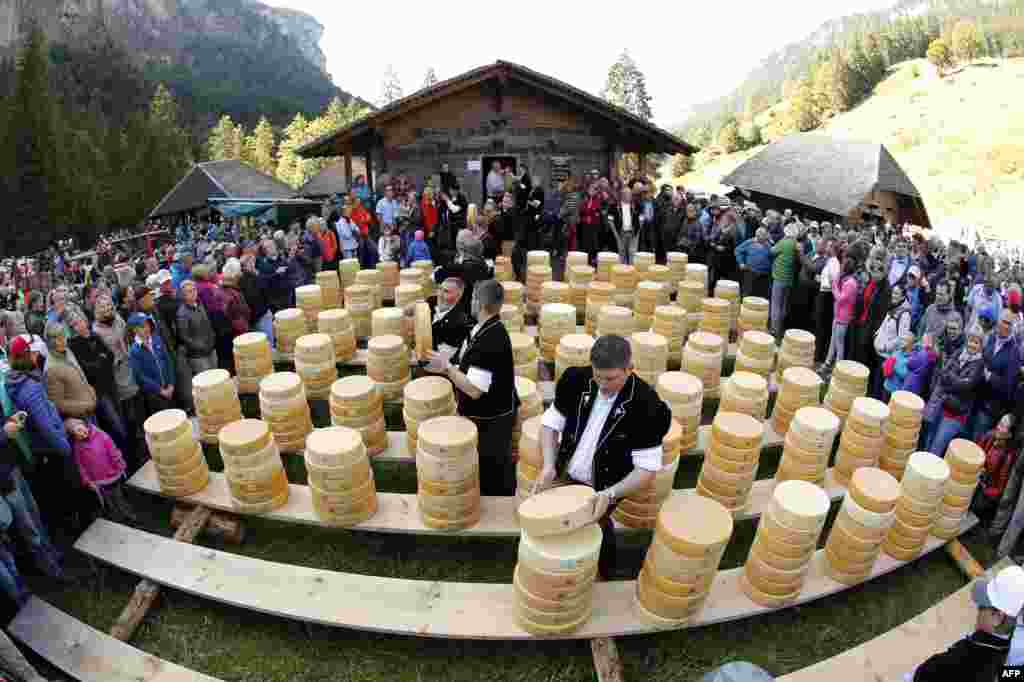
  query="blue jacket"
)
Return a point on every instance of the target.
[
  {"x": 418, "y": 251},
  {"x": 44, "y": 426},
  {"x": 348, "y": 232},
  {"x": 178, "y": 274},
  {"x": 152, "y": 370},
  {"x": 999, "y": 391},
  {"x": 755, "y": 255}
]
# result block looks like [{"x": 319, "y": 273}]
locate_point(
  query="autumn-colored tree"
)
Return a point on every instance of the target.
[
  {"x": 681, "y": 165},
  {"x": 966, "y": 43},
  {"x": 260, "y": 147},
  {"x": 940, "y": 56},
  {"x": 729, "y": 137}
]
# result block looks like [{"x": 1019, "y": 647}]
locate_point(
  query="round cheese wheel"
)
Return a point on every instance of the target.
[
  {"x": 905, "y": 404},
  {"x": 925, "y": 472},
  {"x": 961, "y": 489},
  {"x": 281, "y": 385},
  {"x": 816, "y": 425},
  {"x": 745, "y": 455},
  {"x": 783, "y": 591},
  {"x": 767, "y": 553},
  {"x": 964, "y": 455},
  {"x": 566, "y": 602},
  {"x": 668, "y": 563},
  {"x": 340, "y": 479},
  {"x": 244, "y": 436},
  {"x": 664, "y": 604},
  {"x": 450, "y": 469},
  {"x": 874, "y": 490},
  {"x": 447, "y": 437},
  {"x": 735, "y": 430},
  {"x": 694, "y": 526},
  {"x": 800, "y": 505},
  {"x": 561, "y": 553},
  {"x": 167, "y": 425},
  {"x": 558, "y": 511},
  {"x": 864, "y": 517},
  {"x": 555, "y": 586},
  {"x": 696, "y": 588},
  {"x": 335, "y": 446},
  {"x": 426, "y": 486}
]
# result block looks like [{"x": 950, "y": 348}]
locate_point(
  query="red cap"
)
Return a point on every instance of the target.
[
  {"x": 19, "y": 345},
  {"x": 1014, "y": 297}
]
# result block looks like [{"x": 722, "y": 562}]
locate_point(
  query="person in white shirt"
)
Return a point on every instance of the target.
[{"x": 624, "y": 220}]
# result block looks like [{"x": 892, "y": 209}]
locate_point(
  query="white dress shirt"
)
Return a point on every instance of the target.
[
  {"x": 627, "y": 217},
  {"x": 481, "y": 378}
]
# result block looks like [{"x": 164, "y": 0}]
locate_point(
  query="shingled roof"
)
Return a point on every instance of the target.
[
  {"x": 230, "y": 179},
  {"x": 331, "y": 180},
  {"x": 827, "y": 173}
]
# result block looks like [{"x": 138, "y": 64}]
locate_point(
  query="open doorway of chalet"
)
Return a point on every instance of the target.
[{"x": 485, "y": 168}]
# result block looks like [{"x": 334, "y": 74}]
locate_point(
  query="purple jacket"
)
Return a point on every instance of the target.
[
  {"x": 98, "y": 459},
  {"x": 920, "y": 366}
]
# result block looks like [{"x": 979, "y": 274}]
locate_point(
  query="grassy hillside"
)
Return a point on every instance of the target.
[{"x": 958, "y": 139}]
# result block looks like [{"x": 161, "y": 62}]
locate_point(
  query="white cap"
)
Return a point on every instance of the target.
[{"x": 1005, "y": 592}]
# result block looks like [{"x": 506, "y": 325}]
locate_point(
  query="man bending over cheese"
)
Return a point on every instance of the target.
[{"x": 611, "y": 425}]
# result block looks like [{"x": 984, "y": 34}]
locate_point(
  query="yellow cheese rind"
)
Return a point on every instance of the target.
[
  {"x": 558, "y": 511},
  {"x": 569, "y": 552}
]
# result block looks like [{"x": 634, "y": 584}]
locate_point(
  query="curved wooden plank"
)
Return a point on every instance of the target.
[{"x": 408, "y": 607}]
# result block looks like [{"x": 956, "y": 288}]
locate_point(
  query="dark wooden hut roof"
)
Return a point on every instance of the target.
[
  {"x": 230, "y": 179},
  {"x": 331, "y": 180}
]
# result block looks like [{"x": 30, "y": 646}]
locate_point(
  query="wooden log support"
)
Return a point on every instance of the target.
[
  {"x": 606, "y": 660},
  {"x": 222, "y": 527},
  {"x": 968, "y": 564},
  {"x": 147, "y": 591}
]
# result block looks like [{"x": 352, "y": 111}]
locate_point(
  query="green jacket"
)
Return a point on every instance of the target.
[{"x": 785, "y": 266}]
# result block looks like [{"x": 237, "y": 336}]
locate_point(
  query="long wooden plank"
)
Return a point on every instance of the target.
[
  {"x": 534, "y": 331},
  {"x": 399, "y": 512},
  {"x": 888, "y": 657},
  {"x": 409, "y": 607},
  {"x": 86, "y": 654}
]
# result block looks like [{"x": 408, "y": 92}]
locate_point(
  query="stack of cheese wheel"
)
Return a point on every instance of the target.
[
  {"x": 573, "y": 351},
  {"x": 356, "y": 403},
  {"x": 808, "y": 446},
  {"x": 965, "y": 460},
  {"x": 371, "y": 278},
  {"x": 503, "y": 271},
  {"x": 340, "y": 478},
  {"x": 536, "y": 275},
  {"x": 315, "y": 363},
  {"x": 624, "y": 279},
  {"x": 284, "y": 408},
  {"x": 642, "y": 261},
  {"x": 423, "y": 330},
  {"x": 670, "y": 322},
  {"x": 599, "y": 295},
  {"x": 702, "y": 357},
  {"x": 613, "y": 319},
  {"x": 426, "y": 268},
  {"x": 861, "y": 441},
  {"x": 410, "y": 275},
  {"x": 426, "y": 398},
  {"x": 554, "y": 292},
  {"x": 797, "y": 349},
  {"x": 921, "y": 492},
  {"x": 756, "y": 353},
  {"x": 580, "y": 277},
  {"x": 684, "y": 395},
  {"x": 800, "y": 387},
  {"x": 649, "y": 295},
  {"x": 253, "y": 360},
  {"x": 359, "y": 303},
  {"x": 729, "y": 290},
  {"x": 252, "y": 465},
  {"x": 689, "y": 298},
  {"x": 216, "y": 400},
  {"x": 514, "y": 295},
  {"x": 524, "y": 355},
  {"x": 389, "y": 279},
  {"x": 606, "y": 260},
  {"x": 784, "y": 546},
  {"x": 753, "y": 315},
  {"x": 715, "y": 317},
  {"x": 310, "y": 300},
  {"x": 574, "y": 258},
  {"x": 337, "y": 324},
  {"x": 650, "y": 356},
  {"x": 330, "y": 288},
  {"x": 289, "y": 325},
  {"x": 661, "y": 274},
  {"x": 867, "y": 513},
  {"x": 640, "y": 510},
  {"x": 849, "y": 381},
  {"x": 406, "y": 294},
  {"x": 181, "y": 467},
  {"x": 387, "y": 321},
  {"x": 697, "y": 272},
  {"x": 901, "y": 432},
  {"x": 512, "y": 317},
  {"x": 677, "y": 262},
  {"x": 538, "y": 258},
  {"x": 531, "y": 404},
  {"x": 448, "y": 473},
  {"x": 387, "y": 363},
  {"x": 730, "y": 463},
  {"x": 556, "y": 320},
  {"x": 347, "y": 270},
  {"x": 529, "y": 457},
  {"x": 747, "y": 393},
  {"x": 554, "y": 577},
  {"x": 690, "y": 538}
]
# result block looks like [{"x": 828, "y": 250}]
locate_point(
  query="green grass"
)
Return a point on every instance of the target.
[{"x": 239, "y": 645}]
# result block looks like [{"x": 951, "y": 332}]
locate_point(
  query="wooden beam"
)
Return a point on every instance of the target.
[
  {"x": 968, "y": 564},
  {"x": 348, "y": 170},
  {"x": 607, "y": 663},
  {"x": 369, "y": 177},
  {"x": 147, "y": 591},
  {"x": 221, "y": 526}
]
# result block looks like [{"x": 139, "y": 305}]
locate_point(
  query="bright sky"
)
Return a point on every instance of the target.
[{"x": 689, "y": 52}]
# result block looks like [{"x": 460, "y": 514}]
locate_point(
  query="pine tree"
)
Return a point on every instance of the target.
[
  {"x": 681, "y": 165},
  {"x": 289, "y": 164},
  {"x": 626, "y": 87},
  {"x": 391, "y": 87},
  {"x": 940, "y": 56},
  {"x": 876, "y": 65},
  {"x": 430, "y": 79},
  {"x": 221, "y": 143},
  {"x": 238, "y": 148},
  {"x": 260, "y": 146},
  {"x": 966, "y": 42}
]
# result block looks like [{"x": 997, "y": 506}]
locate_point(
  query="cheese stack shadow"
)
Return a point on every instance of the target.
[
  {"x": 800, "y": 387},
  {"x": 252, "y": 466},
  {"x": 536, "y": 275},
  {"x": 599, "y": 295},
  {"x": 690, "y": 537},
  {"x": 756, "y": 354},
  {"x": 357, "y": 404},
  {"x": 650, "y": 356},
  {"x": 284, "y": 408},
  {"x": 730, "y": 463},
  {"x": 677, "y": 262},
  {"x": 702, "y": 357},
  {"x": 649, "y": 295},
  {"x": 754, "y": 313},
  {"x": 180, "y": 464},
  {"x": 315, "y": 364},
  {"x": 425, "y": 398},
  {"x": 310, "y": 300},
  {"x": 216, "y": 400},
  {"x": 965, "y": 460},
  {"x": 808, "y": 446},
  {"x": 556, "y": 320},
  {"x": 624, "y": 279},
  {"x": 746, "y": 393},
  {"x": 387, "y": 363},
  {"x": 615, "y": 319},
  {"x": 901, "y": 432},
  {"x": 715, "y": 317},
  {"x": 337, "y": 324},
  {"x": 524, "y": 355},
  {"x": 330, "y": 288},
  {"x": 559, "y": 547},
  {"x": 797, "y": 349},
  {"x": 289, "y": 325},
  {"x": 573, "y": 351},
  {"x": 849, "y": 381},
  {"x": 867, "y": 513},
  {"x": 670, "y": 322},
  {"x": 784, "y": 546},
  {"x": 448, "y": 473},
  {"x": 359, "y": 303},
  {"x": 531, "y": 404},
  {"x": 579, "y": 276},
  {"x": 606, "y": 260},
  {"x": 684, "y": 395},
  {"x": 921, "y": 492},
  {"x": 640, "y": 510},
  {"x": 340, "y": 478},
  {"x": 253, "y": 360},
  {"x": 862, "y": 438}
]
